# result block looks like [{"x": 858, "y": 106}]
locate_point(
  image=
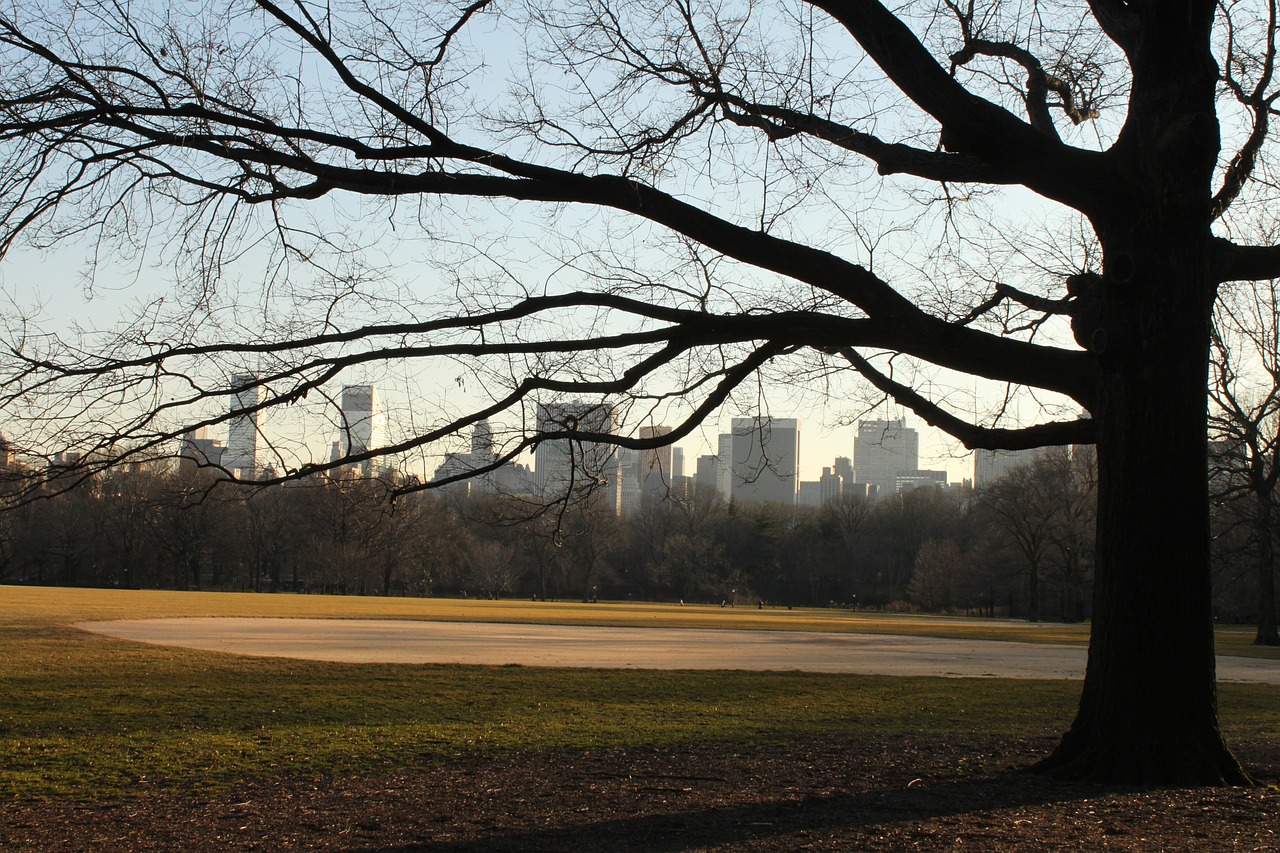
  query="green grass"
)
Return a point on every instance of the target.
[{"x": 84, "y": 716}]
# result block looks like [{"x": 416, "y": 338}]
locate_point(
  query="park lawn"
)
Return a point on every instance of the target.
[
  {"x": 68, "y": 606},
  {"x": 85, "y": 717}
]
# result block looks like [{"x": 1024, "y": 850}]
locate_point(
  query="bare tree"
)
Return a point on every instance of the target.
[
  {"x": 1244, "y": 424},
  {"x": 754, "y": 156}
]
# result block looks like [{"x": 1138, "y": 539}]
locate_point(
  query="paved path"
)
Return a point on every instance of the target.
[{"x": 393, "y": 641}]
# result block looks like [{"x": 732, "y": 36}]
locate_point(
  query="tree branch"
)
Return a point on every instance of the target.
[
  {"x": 971, "y": 435},
  {"x": 971, "y": 125}
]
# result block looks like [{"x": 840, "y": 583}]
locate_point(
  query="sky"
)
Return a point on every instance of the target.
[{"x": 871, "y": 219}]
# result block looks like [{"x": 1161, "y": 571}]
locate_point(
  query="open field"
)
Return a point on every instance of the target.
[
  {"x": 80, "y": 605},
  {"x": 311, "y": 755},
  {"x": 86, "y": 713}
]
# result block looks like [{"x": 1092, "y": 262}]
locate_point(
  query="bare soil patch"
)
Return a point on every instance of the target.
[{"x": 888, "y": 795}]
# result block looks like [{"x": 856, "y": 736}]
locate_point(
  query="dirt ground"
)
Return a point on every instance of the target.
[{"x": 903, "y": 794}]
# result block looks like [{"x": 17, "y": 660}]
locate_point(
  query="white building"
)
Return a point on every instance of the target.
[
  {"x": 766, "y": 460},
  {"x": 724, "y": 466},
  {"x": 240, "y": 458},
  {"x": 883, "y": 450},
  {"x": 363, "y": 425}
]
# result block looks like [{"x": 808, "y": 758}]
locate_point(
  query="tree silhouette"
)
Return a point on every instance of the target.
[{"x": 725, "y": 183}]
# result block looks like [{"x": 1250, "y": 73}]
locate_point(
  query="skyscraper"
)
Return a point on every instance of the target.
[
  {"x": 766, "y": 459},
  {"x": 363, "y": 425},
  {"x": 707, "y": 474},
  {"x": 882, "y": 450},
  {"x": 241, "y": 455},
  {"x": 197, "y": 450},
  {"x": 653, "y": 466},
  {"x": 991, "y": 465},
  {"x": 566, "y": 463},
  {"x": 724, "y": 465}
]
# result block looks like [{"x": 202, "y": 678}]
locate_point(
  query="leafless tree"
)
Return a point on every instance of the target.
[
  {"x": 729, "y": 189},
  {"x": 1244, "y": 426}
]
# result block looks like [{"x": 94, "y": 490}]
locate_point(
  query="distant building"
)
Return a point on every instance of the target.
[
  {"x": 809, "y": 493},
  {"x": 707, "y": 473},
  {"x": 724, "y": 465},
  {"x": 363, "y": 424},
  {"x": 6, "y": 452},
  {"x": 240, "y": 458},
  {"x": 654, "y": 467},
  {"x": 766, "y": 460},
  {"x": 566, "y": 463},
  {"x": 844, "y": 467},
  {"x": 830, "y": 484},
  {"x": 199, "y": 451},
  {"x": 476, "y": 468},
  {"x": 883, "y": 450},
  {"x": 991, "y": 465},
  {"x": 908, "y": 480}
]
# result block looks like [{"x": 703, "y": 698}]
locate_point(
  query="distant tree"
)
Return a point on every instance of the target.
[
  {"x": 494, "y": 568},
  {"x": 940, "y": 566},
  {"x": 187, "y": 525},
  {"x": 1045, "y": 510},
  {"x": 842, "y": 520},
  {"x": 1244, "y": 425}
]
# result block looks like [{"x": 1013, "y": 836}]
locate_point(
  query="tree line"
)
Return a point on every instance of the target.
[{"x": 1020, "y": 547}]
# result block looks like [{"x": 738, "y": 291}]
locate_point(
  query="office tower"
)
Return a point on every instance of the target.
[
  {"x": 677, "y": 461},
  {"x": 991, "y": 465},
  {"x": 198, "y": 450},
  {"x": 654, "y": 466},
  {"x": 240, "y": 458},
  {"x": 363, "y": 425},
  {"x": 809, "y": 493},
  {"x": 482, "y": 440},
  {"x": 6, "y": 452},
  {"x": 831, "y": 484},
  {"x": 908, "y": 480},
  {"x": 844, "y": 467},
  {"x": 707, "y": 473},
  {"x": 724, "y": 465},
  {"x": 882, "y": 450},
  {"x": 566, "y": 463},
  {"x": 766, "y": 459}
]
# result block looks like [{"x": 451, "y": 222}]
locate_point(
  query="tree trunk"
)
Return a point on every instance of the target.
[
  {"x": 1267, "y": 635},
  {"x": 1148, "y": 710}
]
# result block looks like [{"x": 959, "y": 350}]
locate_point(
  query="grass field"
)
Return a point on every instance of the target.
[{"x": 84, "y": 716}]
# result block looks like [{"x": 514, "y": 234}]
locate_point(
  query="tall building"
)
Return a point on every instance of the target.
[
  {"x": 199, "y": 451},
  {"x": 831, "y": 484},
  {"x": 883, "y": 450},
  {"x": 363, "y": 424},
  {"x": 707, "y": 474},
  {"x": 991, "y": 465},
  {"x": 909, "y": 480},
  {"x": 724, "y": 465},
  {"x": 766, "y": 460},
  {"x": 654, "y": 467},
  {"x": 510, "y": 478},
  {"x": 566, "y": 463},
  {"x": 240, "y": 458}
]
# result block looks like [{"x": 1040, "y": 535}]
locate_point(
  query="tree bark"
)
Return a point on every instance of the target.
[{"x": 1148, "y": 710}]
